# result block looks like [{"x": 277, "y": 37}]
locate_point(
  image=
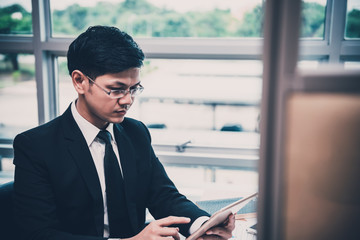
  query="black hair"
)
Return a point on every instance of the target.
[{"x": 103, "y": 49}]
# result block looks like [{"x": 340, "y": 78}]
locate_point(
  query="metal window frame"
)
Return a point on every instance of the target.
[
  {"x": 281, "y": 77},
  {"x": 45, "y": 48}
]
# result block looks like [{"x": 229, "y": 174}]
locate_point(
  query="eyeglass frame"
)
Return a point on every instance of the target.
[{"x": 138, "y": 89}]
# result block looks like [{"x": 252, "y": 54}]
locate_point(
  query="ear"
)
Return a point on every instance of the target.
[{"x": 79, "y": 81}]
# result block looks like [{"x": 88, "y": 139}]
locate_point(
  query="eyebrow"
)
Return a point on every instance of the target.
[
  {"x": 123, "y": 84},
  {"x": 136, "y": 84}
]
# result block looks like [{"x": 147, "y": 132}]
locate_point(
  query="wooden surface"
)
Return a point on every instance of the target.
[{"x": 322, "y": 167}]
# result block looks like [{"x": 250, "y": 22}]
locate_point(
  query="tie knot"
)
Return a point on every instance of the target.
[{"x": 105, "y": 136}]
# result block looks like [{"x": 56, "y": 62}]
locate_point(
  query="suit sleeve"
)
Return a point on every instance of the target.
[
  {"x": 34, "y": 203},
  {"x": 165, "y": 199}
]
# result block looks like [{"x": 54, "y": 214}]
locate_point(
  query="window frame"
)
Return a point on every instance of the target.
[
  {"x": 281, "y": 79},
  {"x": 333, "y": 49}
]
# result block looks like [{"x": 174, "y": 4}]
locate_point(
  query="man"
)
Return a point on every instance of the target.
[{"x": 91, "y": 173}]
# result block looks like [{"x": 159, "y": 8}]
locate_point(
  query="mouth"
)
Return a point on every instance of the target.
[{"x": 121, "y": 112}]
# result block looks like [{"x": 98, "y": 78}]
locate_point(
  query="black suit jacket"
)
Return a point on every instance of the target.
[{"x": 57, "y": 192}]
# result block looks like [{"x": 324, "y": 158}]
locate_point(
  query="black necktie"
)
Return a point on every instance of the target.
[{"x": 119, "y": 225}]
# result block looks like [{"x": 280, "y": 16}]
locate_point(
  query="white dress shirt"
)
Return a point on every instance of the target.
[{"x": 97, "y": 150}]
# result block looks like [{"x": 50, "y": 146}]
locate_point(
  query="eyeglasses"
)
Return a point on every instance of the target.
[{"x": 119, "y": 93}]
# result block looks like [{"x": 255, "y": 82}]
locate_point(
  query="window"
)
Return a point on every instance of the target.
[
  {"x": 67, "y": 92},
  {"x": 328, "y": 35},
  {"x": 18, "y": 105},
  {"x": 313, "y": 19},
  {"x": 195, "y": 52},
  {"x": 15, "y": 17},
  {"x": 221, "y": 62},
  {"x": 201, "y": 94},
  {"x": 153, "y": 18},
  {"x": 353, "y": 20},
  {"x": 352, "y": 65}
]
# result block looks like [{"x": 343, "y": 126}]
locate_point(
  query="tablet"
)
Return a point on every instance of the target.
[{"x": 221, "y": 216}]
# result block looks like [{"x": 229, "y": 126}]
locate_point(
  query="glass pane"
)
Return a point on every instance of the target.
[
  {"x": 67, "y": 92},
  {"x": 228, "y": 183},
  {"x": 313, "y": 19},
  {"x": 352, "y": 65},
  {"x": 212, "y": 103},
  {"x": 308, "y": 64},
  {"x": 353, "y": 19},
  {"x": 214, "y": 92},
  {"x": 15, "y": 17},
  {"x": 161, "y": 18},
  {"x": 18, "y": 103}
]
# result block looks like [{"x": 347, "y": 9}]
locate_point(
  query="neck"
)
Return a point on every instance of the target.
[{"x": 91, "y": 118}]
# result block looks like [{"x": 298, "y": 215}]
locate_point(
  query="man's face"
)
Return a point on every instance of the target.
[{"x": 98, "y": 107}]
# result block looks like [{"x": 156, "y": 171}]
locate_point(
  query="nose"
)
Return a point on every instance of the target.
[{"x": 126, "y": 100}]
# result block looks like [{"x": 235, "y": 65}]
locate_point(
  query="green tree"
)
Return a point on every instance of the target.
[
  {"x": 138, "y": 6},
  {"x": 172, "y": 24},
  {"x": 141, "y": 18},
  {"x": 15, "y": 19},
  {"x": 312, "y": 20},
  {"x": 77, "y": 16},
  {"x": 72, "y": 20},
  {"x": 252, "y": 23},
  {"x": 353, "y": 24},
  {"x": 211, "y": 23}
]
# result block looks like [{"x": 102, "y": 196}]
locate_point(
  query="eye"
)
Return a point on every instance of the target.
[
  {"x": 137, "y": 86},
  {"x": 117, "y": 89}
]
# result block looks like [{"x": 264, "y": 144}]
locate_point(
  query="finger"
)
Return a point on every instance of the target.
[
  {"x": 211, "y": 237},
  {"x": 171, "y": 235},
  {"x": 177, "y": 236},
  {"x": 172, "y": 220},
  {"x": 229, "y": 220},
  {"x": 166, "y": 238},
  {"x": 169, "y": 231},
  {"x": 220, "y": 231},
  {"x": 231, "y": 223}
]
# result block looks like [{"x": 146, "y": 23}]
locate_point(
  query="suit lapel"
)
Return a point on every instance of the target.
[
  {"x": 128, "y": 165},
  {"x": 80, "y": 152}
]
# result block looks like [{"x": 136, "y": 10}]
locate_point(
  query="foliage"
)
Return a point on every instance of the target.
[
  {"x": 353, "y": 24},
  {"x": 140, "y": 18},
  {"x": 313, "y": 20},
  {"x": 252, "y": 25},
  {"x": 70, "y": 21},
  {"x": 15, "y": 19}
]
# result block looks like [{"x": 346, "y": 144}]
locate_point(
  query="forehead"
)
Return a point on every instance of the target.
[{"x": 128, "y": 77}]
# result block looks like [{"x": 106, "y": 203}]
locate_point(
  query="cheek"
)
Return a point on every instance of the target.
[
  {"x": 106, "y": 106},
  {"x": 102, "y": 106}
]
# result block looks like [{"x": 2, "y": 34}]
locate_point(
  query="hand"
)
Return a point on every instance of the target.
[
  {"x": 159, "y": 229},
  {"x": 223, "y": 231}
]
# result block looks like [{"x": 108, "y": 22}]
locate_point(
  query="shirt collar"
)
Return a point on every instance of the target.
[{"x": 88, "y": 130}]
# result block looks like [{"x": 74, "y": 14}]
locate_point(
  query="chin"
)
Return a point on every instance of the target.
[{"x": 116, "y": 120}]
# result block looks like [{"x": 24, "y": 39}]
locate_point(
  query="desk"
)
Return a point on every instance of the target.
[{"x": 241, "y": 229}]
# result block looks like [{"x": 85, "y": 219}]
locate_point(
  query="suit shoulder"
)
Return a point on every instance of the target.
[
  {"x": 41, "y": 131},
  {"x": 133, "y": 126},
  {"x": 132, "y": 123}
]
